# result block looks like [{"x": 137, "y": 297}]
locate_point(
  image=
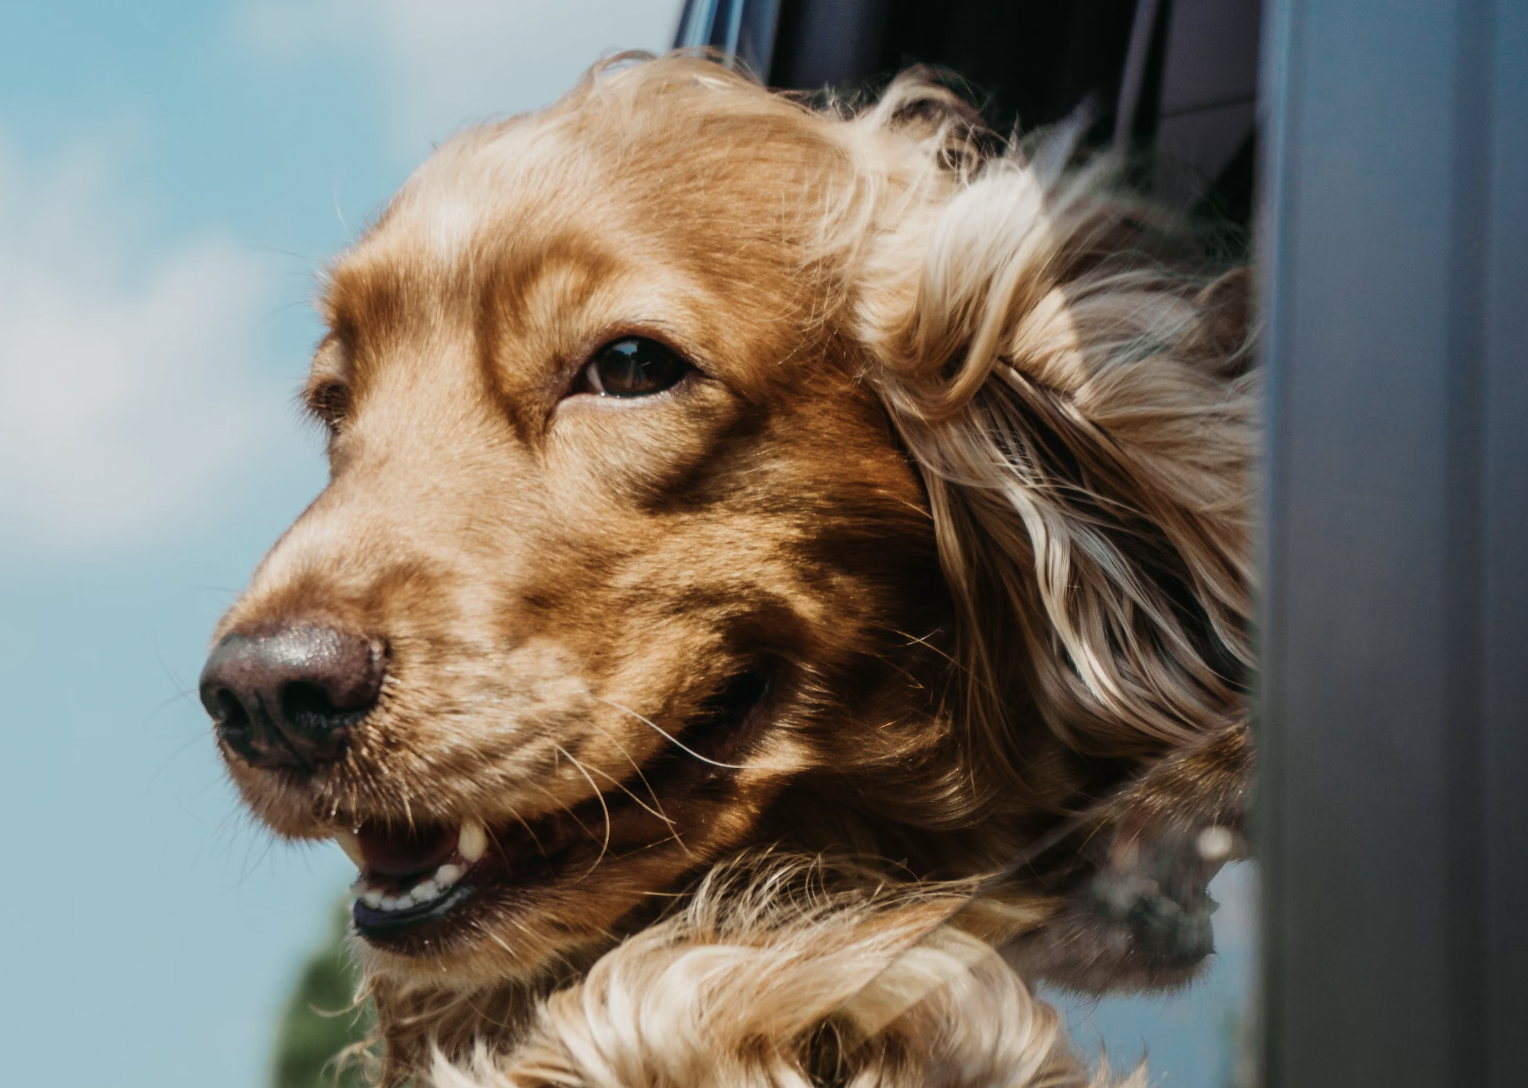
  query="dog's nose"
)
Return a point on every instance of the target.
[{"x": 289, "y": 696}]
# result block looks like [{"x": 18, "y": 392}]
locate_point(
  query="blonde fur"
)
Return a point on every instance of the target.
[
  {"x": 1004, "y": 311},
  {"x": 770, "y": 983}
]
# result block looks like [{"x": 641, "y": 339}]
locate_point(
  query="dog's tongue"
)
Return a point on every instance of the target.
[{"x": 404, "y": 852}]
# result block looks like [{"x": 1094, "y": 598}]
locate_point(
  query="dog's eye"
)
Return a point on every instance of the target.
[
  {"x": 634, "y": 367},
  {"x": 329, "y": 401}
]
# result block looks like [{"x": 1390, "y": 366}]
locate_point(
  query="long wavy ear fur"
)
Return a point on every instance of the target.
[{"x": 1080, "y": 408}]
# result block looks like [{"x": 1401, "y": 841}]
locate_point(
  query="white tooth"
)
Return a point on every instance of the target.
[
  {"x": 423, "y": 893},
  {"x": 448, "y": 875},
  {"x": 389, "y": 903},
  {"x": 351, "y": 845},
  {"x": 472, "y": 842},
  {"x": 372, "y": 898}
]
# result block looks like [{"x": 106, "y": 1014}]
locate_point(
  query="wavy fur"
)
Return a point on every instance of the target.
[{"x": 773, "y": 982}]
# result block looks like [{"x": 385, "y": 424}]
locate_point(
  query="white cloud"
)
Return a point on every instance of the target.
[
  {"x": 449, "y": 62},
  {"x": 127, "y": 388},
  {"x": 130, "y": 401}
]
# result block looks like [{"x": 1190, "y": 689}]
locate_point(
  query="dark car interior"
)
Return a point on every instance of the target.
[{"x": 1174, "y": 82}]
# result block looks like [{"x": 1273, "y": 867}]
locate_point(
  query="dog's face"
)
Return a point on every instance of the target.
[
  {"x": 629, "y": 546},
  {"x": 697, "y": 486}
]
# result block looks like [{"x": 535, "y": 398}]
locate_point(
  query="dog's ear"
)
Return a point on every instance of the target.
[{"x": 1082, "y": 417}]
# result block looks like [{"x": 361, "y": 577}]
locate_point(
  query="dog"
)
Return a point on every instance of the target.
[{"x": 783, "y": 583}]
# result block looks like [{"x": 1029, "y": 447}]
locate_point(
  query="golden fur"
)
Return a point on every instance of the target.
[{"x": 961, "y": 476}]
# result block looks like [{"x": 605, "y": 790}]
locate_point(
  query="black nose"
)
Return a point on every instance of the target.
[{"x": 289, "y": 696}]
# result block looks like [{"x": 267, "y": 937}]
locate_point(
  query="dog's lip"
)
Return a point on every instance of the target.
[{"x": 378, "y": 924}]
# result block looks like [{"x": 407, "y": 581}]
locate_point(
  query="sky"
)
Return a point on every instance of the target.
[{"x": 173, "y": 174}]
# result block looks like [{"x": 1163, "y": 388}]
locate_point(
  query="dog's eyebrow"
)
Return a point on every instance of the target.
[{"x": 331, "y": 359}]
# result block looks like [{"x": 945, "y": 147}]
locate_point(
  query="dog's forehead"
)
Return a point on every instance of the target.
[
  {"x": 482, "y": 222},
  {"x": 714, "y": 177},
  {"x": 554, "y": 230},
  {"x": 478, "y": 185}
]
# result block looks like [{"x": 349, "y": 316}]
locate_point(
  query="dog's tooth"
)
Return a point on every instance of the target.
[
  {"x": 351, "y": 845},
  {"x": 372, "y": 898},
  {"x": 472, "y": 842},
  {"x": 425, "y": 891},
  {"x": 389, "y": 903},
  {"x": 448, "y": 874}
]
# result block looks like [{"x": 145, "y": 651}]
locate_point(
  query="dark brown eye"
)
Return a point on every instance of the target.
[
  {"x": 329, "y": 401},
  {"x": 634, "y": 367}
]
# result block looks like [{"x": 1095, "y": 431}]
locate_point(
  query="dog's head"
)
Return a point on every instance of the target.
[{"x": 708, "y": 472}]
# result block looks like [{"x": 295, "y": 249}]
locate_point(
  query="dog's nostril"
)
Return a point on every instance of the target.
[
  {"x": 310, "y": 707},
  {"x": 227, "y": 712},
  {"x": 288, "y": 696}
]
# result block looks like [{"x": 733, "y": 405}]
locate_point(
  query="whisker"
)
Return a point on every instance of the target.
[
  {"x": 344, "y": 226},
  {"x": 534, "y": 838},
  {"x": 653, "y": 811},
  {"x": 604, "y": 846},
  {"x": 659, "y": 813},
  {"x": 621, "y": 785},
  {"x": 674, "y": 836},
  {"x": 495, "y": 938},
  {"x": 926, "y": 641},
  {"x": 174, "y": 755},
  {"x": 566, "y": 808},
  {"x": 675, "y": 741}
]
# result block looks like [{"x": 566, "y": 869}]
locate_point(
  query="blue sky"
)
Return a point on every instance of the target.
[{"x": 172, "y": 173}]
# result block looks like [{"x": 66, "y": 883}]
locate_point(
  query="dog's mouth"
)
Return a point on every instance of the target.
[
  {"x": 414, "y": 876},
  {"x": 421, "y": 883}
]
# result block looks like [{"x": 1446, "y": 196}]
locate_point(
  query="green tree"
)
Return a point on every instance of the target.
[{"x": 321, "y": 1019}]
